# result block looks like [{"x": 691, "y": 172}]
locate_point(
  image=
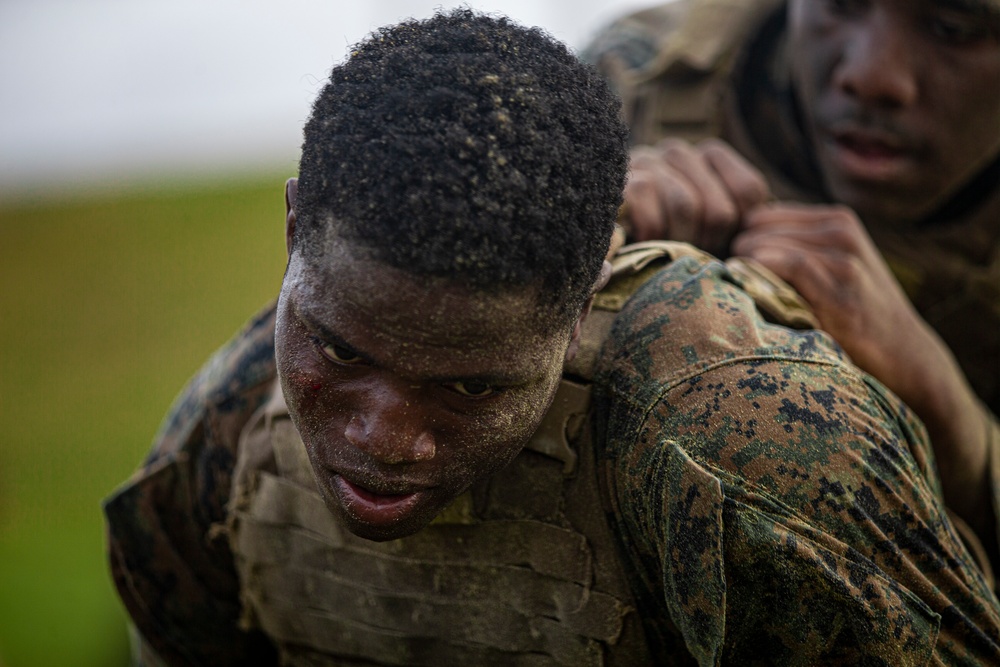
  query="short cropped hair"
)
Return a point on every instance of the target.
[{"x": 466, "y": 146}]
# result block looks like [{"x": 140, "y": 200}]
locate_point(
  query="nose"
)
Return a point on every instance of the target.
[
  {"x": 878, "y": 63},
  {"x": 390, "y": 426}
]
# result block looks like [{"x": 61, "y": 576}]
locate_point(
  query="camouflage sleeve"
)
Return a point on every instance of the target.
[
  {"x": 631, "y": 42},
  {"x": 623, "y": 49},
  {"x": 993, "y": 446},
  {"x": 169, "y": 556},
  {"x": 778, "y": 505}
]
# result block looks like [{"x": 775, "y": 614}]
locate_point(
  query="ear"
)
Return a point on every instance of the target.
[
  {"x": 291, "y": 190},
  {"x": 574, "y": 341}
]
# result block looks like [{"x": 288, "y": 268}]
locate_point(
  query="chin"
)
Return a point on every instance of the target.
[
  {"x": 384, "y": 533},
  {"x": 384, "y": 528}
]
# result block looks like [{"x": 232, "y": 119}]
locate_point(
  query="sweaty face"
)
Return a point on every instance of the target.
[
  {"x": 407, "y": 390},
  {"x": 901, "y": 98}
]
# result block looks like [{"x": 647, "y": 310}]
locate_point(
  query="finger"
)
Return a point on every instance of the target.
[
  {"x": 813, "y": 274},
  {"x": 644, "y": 218},
  {"x": 812, "y": 237},
  {"x": 682, "y": 205},
  {"x": 833, "y": 227},
  {"x": 786, "y": 214},
  {"x": 719, "y": 214},
  {"x": 665, "y": 204},
  {"x": 745, "y": 184}
]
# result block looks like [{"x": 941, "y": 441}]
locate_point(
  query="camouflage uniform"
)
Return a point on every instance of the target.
[
  {"x": 742, "y": 493},
  {"x": 718, "y": 68}
]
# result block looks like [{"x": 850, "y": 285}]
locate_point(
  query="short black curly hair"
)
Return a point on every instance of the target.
[{"x": 466, "y": 146}]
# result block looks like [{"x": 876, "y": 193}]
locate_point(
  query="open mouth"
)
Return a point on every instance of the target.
[
  {"x": 375, "y": 508},
  {"x": 866, "y": 157},
  {"x": 869, "y": 148},
  {"x": 378, "y": 499}
]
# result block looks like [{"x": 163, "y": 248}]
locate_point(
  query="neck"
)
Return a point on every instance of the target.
[{"x": 968, "y": 198}]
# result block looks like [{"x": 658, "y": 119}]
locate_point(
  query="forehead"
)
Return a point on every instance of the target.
[{"x": 423, "y": 326}]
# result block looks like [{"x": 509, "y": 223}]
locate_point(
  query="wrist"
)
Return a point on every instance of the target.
[{"x": 958, "y": 426}]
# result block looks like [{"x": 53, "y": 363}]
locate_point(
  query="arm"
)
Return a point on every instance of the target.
[
  {"x": 708, "y": 194},
  {"x": 168, "y": 549},
  {"x": 827, "y": 256},
  {"x": 174, "y": 573}
]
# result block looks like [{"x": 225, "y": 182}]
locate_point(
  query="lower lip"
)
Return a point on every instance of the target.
[
  {"x": 867, "y": 164},
  {"x": 374, "y": 508}
]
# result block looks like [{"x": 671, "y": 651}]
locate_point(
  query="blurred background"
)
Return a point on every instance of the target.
[{"x": 143, "y": 149}]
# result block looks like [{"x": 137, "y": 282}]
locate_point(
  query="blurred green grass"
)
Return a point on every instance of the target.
[{"x": 108, "y": 305}]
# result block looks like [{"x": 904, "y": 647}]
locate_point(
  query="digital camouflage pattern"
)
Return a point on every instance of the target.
[
  {"x": 777, "y": 505},
  {"x": 718, "y": 68},
  {"x": 772, "y": 503}
]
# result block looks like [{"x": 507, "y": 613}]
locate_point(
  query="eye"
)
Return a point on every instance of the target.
[
  {"x": 337, "y": 353},
  {"x": 959, "y": 29},
  {"x": 845, "y": 7},
  {"x": 471, "y": 389}
]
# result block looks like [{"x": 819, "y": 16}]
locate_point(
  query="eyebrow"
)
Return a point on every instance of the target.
[
  {"x": 985, "y": 8},
  {"x": 327, "y": 334},
  {"x": 493, "y": 379}
]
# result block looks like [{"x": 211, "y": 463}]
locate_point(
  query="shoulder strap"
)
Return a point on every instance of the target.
[
  {"x": 636, "y": 263},
  {"x": 632, "y": 266}
]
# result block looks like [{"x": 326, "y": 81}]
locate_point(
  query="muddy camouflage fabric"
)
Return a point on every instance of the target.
[
  {"x": 772, "y": 504},
  {"x": 777, "y": 505},
  {"x": 718, "y": 68}
]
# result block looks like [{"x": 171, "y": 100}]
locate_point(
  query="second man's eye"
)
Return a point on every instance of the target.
[
  {"x": 959, "y": 30},
  {"x": 471, "y": 389}
]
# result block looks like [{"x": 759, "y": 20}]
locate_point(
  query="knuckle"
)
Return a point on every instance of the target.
[
  {"x": 640, "y": 185},
  {"x": 682, "y": 205},
  {"x": 848, "y": 271},
  {"x": 794, "y": 260},
  {"x": 747, "y": 195},
  {"x": 846, "y": 233},
  {"x": 844, "y": 215},
  {"x": 720, "y": 219},
  {"x": 672, "y": 147},
  {"x": 715, "y": 147},
  {"x": 641, "y": 155},
  {"x": 754, "y": 187}
]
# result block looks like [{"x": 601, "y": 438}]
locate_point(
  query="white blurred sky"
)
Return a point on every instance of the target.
[{"x": 118, "y": 91}]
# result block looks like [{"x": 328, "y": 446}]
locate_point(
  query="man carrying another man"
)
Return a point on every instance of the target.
[{"x": 463, "y": 437}]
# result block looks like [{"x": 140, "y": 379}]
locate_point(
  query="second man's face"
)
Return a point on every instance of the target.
[{"x": 901, "y": 98}]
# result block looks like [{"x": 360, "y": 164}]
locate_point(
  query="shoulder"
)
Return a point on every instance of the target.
[
  {"x": 691, "y": 35},
  {"x": 228, "y": 385},
  {"x": 193, "y": 454},
  {"x": 690, "y": 317},
  {"x": 672, "y": 65},
  {"x": 780, "y": 484},
  {"x": 635, "y": 38},
  {"x": 170, "y": 558},
  {"x": 692, "y": 358}
]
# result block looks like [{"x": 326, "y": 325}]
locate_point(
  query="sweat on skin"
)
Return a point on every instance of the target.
[{"x": 405, "y": 389}]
